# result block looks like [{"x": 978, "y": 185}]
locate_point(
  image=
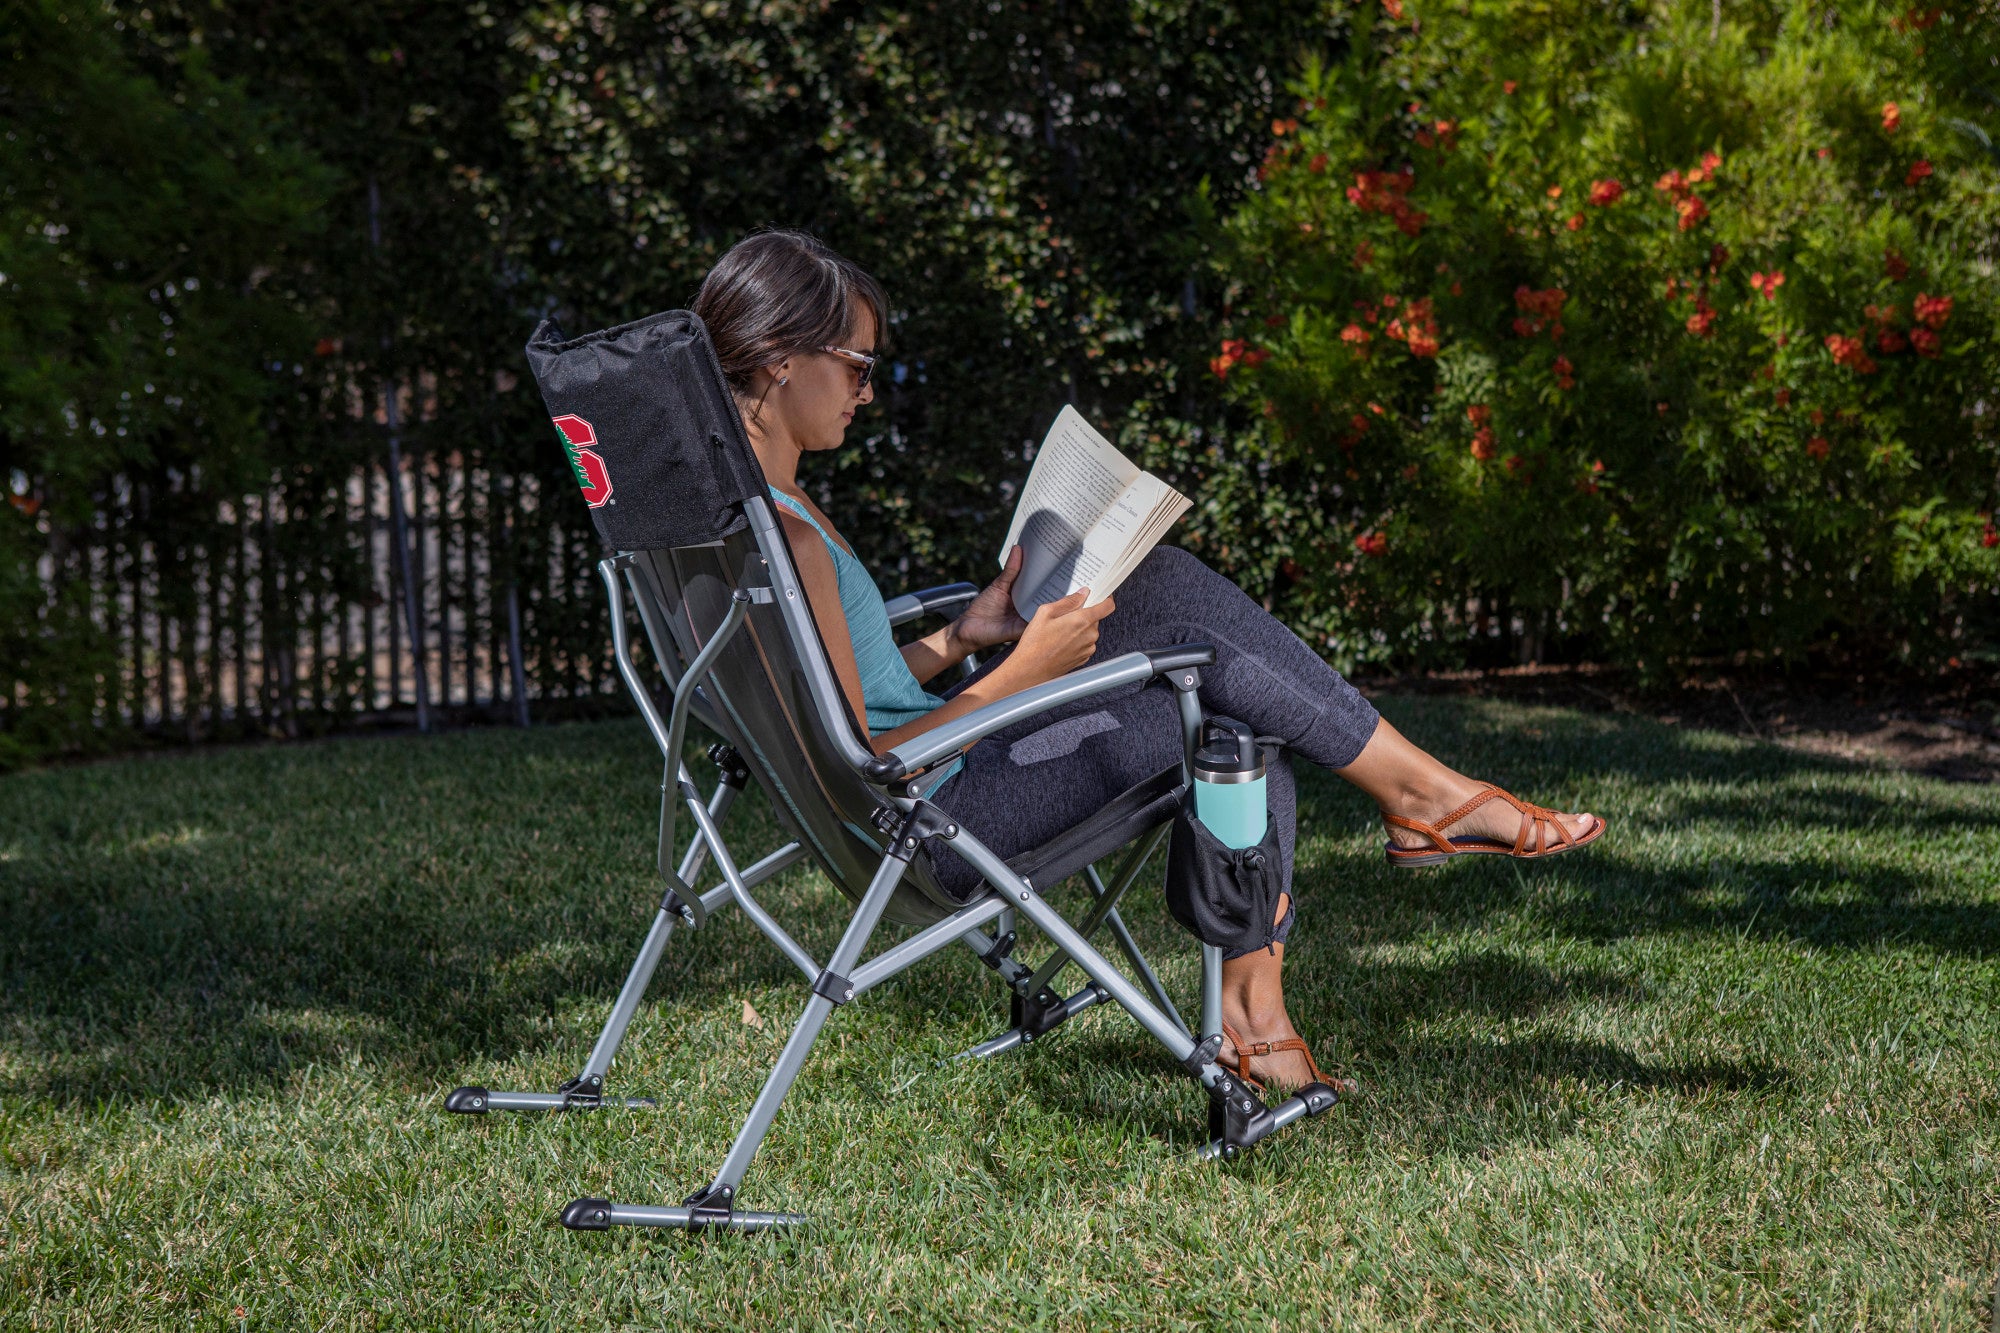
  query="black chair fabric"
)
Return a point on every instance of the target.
[{"x": 652, "y": 433}]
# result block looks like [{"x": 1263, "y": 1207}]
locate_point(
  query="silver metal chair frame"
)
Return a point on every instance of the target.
[{"x": 710, "y": 664}]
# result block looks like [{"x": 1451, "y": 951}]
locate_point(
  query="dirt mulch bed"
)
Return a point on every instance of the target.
[{"x": 1949, "y": 728}]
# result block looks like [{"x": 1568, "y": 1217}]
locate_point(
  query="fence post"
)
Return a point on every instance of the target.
[{"x": 399, "y": 524}]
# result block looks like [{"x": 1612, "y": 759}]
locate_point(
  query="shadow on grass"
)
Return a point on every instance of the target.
[{"x": 168, "y": 927}]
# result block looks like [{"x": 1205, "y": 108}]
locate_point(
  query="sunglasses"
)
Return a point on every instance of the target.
[{"x": 864, "y": 364}]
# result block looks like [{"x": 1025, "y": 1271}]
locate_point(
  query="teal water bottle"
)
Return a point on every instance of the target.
[{"x": 1229, "y": 783}]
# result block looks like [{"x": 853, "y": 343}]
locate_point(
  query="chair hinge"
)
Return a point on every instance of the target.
[
  {"x": 830, "y": 985},
  {"x": 1203, "y": 1054},
  {"x": 689, "y": 909},
  {"x": 735, "y": 772},
  {"x": 996, "y": 957},
  {"x": 710, "y": 1204},
  {"x": 923, "y": 821}
]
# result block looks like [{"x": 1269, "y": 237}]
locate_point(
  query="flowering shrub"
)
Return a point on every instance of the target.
[{"x": 1664, "y": 340}]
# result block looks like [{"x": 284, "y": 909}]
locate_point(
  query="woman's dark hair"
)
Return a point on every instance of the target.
[{"x": 777, "y": 293}]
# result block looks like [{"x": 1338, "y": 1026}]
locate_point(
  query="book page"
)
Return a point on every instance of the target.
[
  {"x": 1140, "y": 518},
  {"x": 1078, "y": 475}
]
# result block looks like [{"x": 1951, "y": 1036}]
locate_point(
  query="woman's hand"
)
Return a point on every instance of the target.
[
  {"x": 1060, "y": 638},
  {"x": 990, "y": 618}
]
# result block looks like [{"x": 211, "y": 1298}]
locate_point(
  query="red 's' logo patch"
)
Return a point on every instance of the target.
[{"x": 591, "y": 475}]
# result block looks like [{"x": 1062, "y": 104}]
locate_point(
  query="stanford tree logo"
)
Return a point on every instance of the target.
[{"x": 581, "y": 442}]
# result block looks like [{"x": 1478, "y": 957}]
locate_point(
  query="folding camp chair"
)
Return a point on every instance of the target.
[{"x": 728, "y": 625}]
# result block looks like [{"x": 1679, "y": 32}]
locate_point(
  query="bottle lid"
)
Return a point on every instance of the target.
[{"x": 1228, "y": 753}]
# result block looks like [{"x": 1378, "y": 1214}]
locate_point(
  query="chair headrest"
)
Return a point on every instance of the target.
[{"x": 652, "y": 432}]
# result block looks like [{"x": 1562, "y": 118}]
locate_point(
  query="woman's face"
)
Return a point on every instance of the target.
[{"x": 819, "y": 397}]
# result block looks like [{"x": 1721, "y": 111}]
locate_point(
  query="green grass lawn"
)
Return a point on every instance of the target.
[{"x": 1737, "y": 1066}]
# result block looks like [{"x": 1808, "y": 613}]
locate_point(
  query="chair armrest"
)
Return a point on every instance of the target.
[
  {"x": 928, "y": 601},
  {"x": 920, "y": 752}
]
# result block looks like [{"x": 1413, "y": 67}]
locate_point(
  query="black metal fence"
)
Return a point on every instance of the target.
[{"x": 290, "y": 610}]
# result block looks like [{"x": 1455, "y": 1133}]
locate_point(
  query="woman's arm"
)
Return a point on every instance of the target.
[
  {"x": 988, "y": 620},
  {"x": 1060, "y": 639},
  {"x": 822, "y": 587}
]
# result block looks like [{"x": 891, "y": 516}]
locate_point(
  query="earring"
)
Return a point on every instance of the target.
[{"x": 784, "y": 380}]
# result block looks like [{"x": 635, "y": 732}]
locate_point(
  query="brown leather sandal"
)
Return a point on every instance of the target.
[
  {"x": 1536, "y": 820},
  {"x": 1346, "y": 1087}
]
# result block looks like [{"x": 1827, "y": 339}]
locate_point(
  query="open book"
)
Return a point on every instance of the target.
[{"x": 1086, "y": 518}]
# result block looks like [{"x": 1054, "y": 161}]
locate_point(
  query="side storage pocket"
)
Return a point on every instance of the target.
[{"x": 1222, "y": 895}]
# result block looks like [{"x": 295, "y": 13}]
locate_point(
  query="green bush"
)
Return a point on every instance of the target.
[{"x": 1641, "y": 332}]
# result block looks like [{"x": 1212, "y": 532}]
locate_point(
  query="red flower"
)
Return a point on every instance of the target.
[
  {"x": 1824, "y": 153},
  {"x": 1482, "y": 444},
  {"x": 1919, "y": 169},
  {"x": 325, "y": 347},
  {"x": 1818, "y": 447},
  {"x": 1565, "y": 373},
  {"x": 1767, "y": 283},
  {"x": 1933, "y": 310},
  {"x": 1816, "y": 416},
  {"x": 1364, "y": 254},
  {"x": 1691, "y": 211},
  {"x": 1784, "y": 397},
  {"x": 1850, "y": 352},
  {"x": 1575, "y": 222},
  {"x": 1990, "y": 537},
  {"x": 1382, "y": 192},
  {"x": 1283, "y": 127},
  {"x": 1926, "y": 342},
  {"x": 1545, "y": 305},
  {"x": 1889, "y": 342},
  {"x": 1359, "y": 423},
  {"x": 1895, "y": 265},
  {"x": 1605, "y": 193},
  {"x": 1702, "y": 322},
  {"x": 1673, "y": 183},
  {"x": 1508, "y": 87},
  {"x": 1256, "y": 356},
  {"x": 1372, "y": 543},
  {"x": 1232, "y": 352},
  {"x": 1710, "y": 161},
  {"x": 1394, "y": 8},
  {"x": 1355, "y": 336},
  {"x": 1479, "y": 414},
  {"x": 1318, "y": 164},
  {"x": 1555, "y": 192},
  {"x": 1892, "y": 117}
]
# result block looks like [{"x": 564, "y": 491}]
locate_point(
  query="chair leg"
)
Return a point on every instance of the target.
[
  {"x": 1238, "y": 1118},
  {"x": 714, "y": 1205},
  {"x": 1036, "y": 1009},
  {"x": 585, "y": 1091}
]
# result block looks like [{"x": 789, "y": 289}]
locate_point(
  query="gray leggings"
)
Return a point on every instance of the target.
[{"x": 1023, "y": 786}]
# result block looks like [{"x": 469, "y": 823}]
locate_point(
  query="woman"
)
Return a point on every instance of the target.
[{"x": 795, "y": 328}]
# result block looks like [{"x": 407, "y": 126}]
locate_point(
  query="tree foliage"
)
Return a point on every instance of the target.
[
  {"x": 1639, "y": 331},
  {"x": 145, "y": 228}
]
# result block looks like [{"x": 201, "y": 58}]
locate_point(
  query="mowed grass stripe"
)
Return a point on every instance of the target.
[{"x": 1735, "y": 1067}]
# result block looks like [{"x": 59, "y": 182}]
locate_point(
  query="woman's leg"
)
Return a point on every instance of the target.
[{"x": 1266, "y": 676}]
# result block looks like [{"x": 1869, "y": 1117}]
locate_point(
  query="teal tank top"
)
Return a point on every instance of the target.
[{"x": 890, "y": 693}]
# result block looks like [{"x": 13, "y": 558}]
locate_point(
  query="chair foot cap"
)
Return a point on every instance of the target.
[
  {"x": 467, "y": 1101},
  {"x": 588, "y": 1215}
]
